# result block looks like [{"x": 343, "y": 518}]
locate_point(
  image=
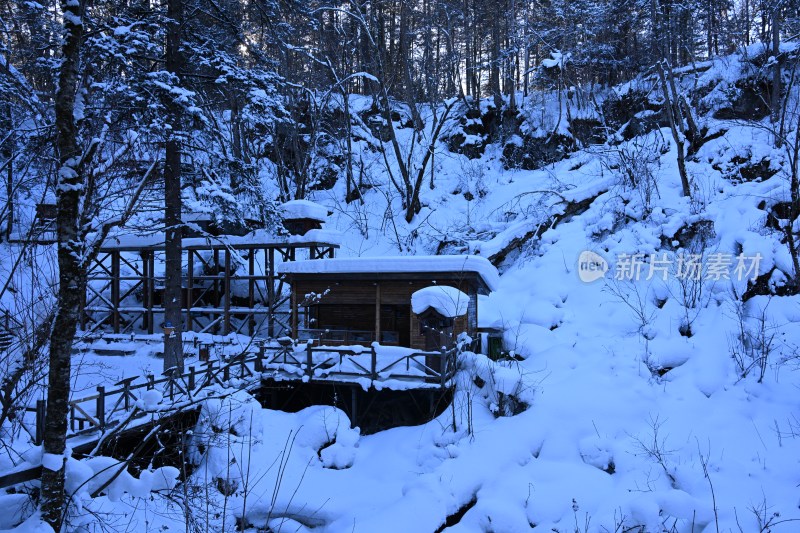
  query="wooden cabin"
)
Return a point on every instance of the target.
[{"x": 362, "y": 300}]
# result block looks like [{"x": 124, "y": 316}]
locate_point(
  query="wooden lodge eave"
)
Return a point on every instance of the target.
[{"x": 377, "y": 277}]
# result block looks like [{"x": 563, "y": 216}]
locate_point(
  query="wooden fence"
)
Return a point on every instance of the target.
[
  {"x": 126, "y": 400},
  {"x": 109, "y": 407}
]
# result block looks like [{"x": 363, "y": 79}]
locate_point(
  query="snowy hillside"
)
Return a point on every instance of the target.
[
  {"x": 633, "y": 421},
  {"x": 652, "y": 339},
  {"x": 651, "y": 399}
]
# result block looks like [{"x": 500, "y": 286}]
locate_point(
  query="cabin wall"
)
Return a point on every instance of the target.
[
  {"x": 351, "y": 304},
  {"x": 417, "y": 338}
]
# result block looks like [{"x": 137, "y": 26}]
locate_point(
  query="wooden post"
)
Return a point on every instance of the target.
[
  {"x": 377, "y": 312},
  {"x": 353, "y": 407},
  {"x": 309, "y": 361},
  {"x": 216, "y": 291},
  {"x": 145, "y": 284},
  {"x": 126, "y": 388},
  {"x": 269, "y": 256},
  {"x": 151, "y": 261},
  {"x": 190, "y": 290},
  {"x": 226, "y": 317},
  {"x": 209, "y": 373},
  {"x": 251, "y": 292},
  {"x": 294, "y": 311},
  {"x": 115, "y": 273},
  {"x": 192, "y": 378},
  {"x": 374, "y": 362},
  {"x": 41, "y": 411},
  {"x": 100, "y": 410},
  {"x": 443, "y": 367}
]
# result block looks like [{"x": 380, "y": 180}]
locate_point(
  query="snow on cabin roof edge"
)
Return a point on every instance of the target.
[{"x": 397, "y": 264}]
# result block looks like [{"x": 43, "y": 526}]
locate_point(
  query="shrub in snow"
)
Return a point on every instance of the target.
[
  {"x": 498, "y": 387},
  {"x": 598, "y": 453}
]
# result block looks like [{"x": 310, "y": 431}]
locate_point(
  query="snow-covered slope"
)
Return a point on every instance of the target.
[
  {"x": 665, "y": 404},
  {"x": 652, "y": 398}
]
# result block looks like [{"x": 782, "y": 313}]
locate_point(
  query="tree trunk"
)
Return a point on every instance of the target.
[
  {"x": 404, "y": 50},
  {"x": 494, "y": 70},
  {"x": 467, "y": 48},
  {"x": 72, "y": 281},
  {"x": 775, "y": 104},
  {"x": 675, "y": 122},
  {"x": 173, "y": 225},
  {"x": 794, "y": 209},
  {"x": 7, "y": 153}
]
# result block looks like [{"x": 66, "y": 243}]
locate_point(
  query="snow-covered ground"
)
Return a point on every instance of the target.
[{"x": 645, "y": 400}]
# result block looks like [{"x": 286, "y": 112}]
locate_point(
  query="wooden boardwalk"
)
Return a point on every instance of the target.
[{"x": 128, "y": 403}]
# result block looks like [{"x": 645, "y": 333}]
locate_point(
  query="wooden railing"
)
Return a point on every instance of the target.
[
  {"x": 108, "y": 406},
  {"x": 120, "y": 404},
  {"x": 342, "y": 363},
  {"x": 345, "y": 337}
]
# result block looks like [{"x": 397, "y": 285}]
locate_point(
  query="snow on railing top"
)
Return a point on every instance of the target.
[{"x": 255, "y": 238}]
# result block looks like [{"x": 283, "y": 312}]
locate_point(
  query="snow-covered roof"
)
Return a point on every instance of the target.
[
  {"x": 397, "y": 265},
  {"x": 304, "y": 209},
  {"x": 448, "y": 301}
]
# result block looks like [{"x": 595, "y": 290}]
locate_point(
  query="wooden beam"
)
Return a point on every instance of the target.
[
  {"x": 377, "y": 312},
  {"x": 251, "y": 292},
  {"x": 115, "y": 273},
  {"x": 226, "y": 323},
  {"x": 150, "y": 276},
  {"x": 190, "y": 290},
  {"x": 269, "y": 260}
]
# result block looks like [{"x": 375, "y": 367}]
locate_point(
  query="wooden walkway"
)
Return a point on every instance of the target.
[{"x": 127, "y": 403}]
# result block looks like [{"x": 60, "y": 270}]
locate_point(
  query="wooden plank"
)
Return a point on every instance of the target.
[{"x": 21, "y": 476}]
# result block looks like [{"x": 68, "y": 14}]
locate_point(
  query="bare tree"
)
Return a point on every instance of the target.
[
  {"x": 72, "y": 279},
  {"x": 173, "y": 228},
  {"x": 674, "y": 108}
]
